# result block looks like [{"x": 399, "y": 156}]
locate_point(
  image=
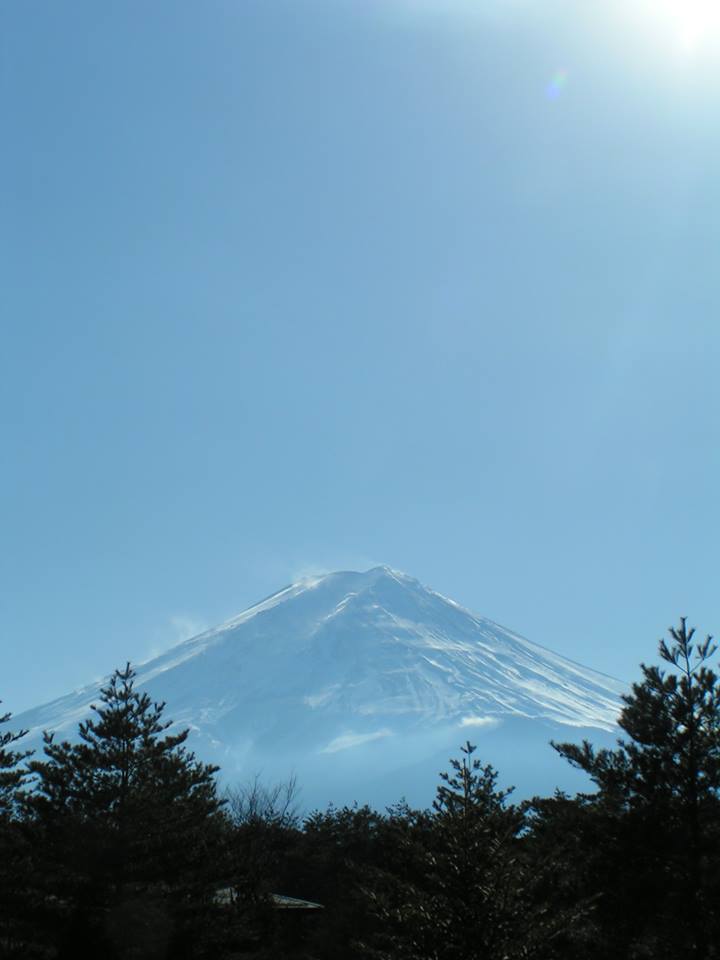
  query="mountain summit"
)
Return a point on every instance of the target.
[{"x": 358, "y": 679}]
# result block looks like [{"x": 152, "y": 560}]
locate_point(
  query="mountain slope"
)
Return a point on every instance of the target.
[{"x": 354, "y": 675}]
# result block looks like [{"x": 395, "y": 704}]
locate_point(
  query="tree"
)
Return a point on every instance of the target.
[
  {"x": 13, "y": 850},
  {"x": 262, "y": 827},
  {"x": 460, "y": 887},
  {"x": 475, "y": 855},
  {"x": 566, "y": 846},
  {"x": 11, "y": 774},
  {"x": 342, "y": 850},
  {"x": 660, "y": 789},
  {"x": 125, "y": 822}
]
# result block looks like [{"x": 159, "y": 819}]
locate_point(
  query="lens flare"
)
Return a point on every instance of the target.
[{"x": 558, "y": 84}]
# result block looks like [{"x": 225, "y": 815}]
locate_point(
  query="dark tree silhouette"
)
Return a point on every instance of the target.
[
  {"x": 125, "y": 823},
  {"x": 14, "y": 912},
  {"x": 460, "y": 887},
  {"x": 659, "y": 792},
  {"x": 11, "y": 773}
]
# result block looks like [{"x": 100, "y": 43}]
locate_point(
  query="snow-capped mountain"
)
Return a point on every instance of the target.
[{"x": 363, "y": 684}]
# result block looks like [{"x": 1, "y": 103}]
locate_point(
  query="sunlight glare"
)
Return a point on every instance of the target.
[{"x": 692, "y": 21}]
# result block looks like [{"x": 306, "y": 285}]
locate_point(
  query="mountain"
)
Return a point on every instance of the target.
[{"x": 363, "y": 684}]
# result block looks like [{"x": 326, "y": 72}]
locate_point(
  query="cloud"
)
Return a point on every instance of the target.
[
  {"x": 177, "y": 628},
  {"x": 318, "y": 699},
  {"x": 309, "y": 571},
  {"x": 479, "y": 722},
  {"x": 185, "y": 627},
  {"x": 348, "y": 740},
  {"x": 342, "y": 561}
]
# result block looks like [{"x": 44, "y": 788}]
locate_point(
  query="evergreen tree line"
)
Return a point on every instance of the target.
[{"x": 120, "y": 846}]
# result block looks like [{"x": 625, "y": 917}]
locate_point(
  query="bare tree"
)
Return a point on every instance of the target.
[{"x": 253, "y": 802}]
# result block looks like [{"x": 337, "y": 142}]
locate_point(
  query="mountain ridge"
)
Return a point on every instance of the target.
[{"x": 371, "y": 666}]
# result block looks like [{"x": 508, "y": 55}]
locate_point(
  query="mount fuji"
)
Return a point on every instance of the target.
[{"x": 362, "y": 685}]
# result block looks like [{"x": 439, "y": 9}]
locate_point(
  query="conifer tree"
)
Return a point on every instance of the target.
[
  {"x": 475, "y": 830},
  {"x": 461, "y": 889},
  {"x": 661, "y": 789},
  {"x": 11, "y": 774},
  {"x": 125, "y": 820},
  {"x": 13, "y": 852}
]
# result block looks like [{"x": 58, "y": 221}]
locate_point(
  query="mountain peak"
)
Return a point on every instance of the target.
[
  {"x": 382, "y": 571},
  {"x": 385, "y": 571},
  {"x": 355, "y": 661}
]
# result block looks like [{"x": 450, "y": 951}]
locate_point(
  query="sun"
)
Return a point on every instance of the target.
[{"x": 692, "y": 21}]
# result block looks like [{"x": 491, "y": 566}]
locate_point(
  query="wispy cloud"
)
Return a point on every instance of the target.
[
  {"x": 311, "y": 569},
  {"x": 177, "y": 628},
  {"x": 185, "y": 627},
  {"x": 348, "y": 740},
  {"x": 479, "y": 722}
]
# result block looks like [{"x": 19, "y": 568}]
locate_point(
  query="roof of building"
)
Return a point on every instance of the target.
[
  {"x": 226, "y": 895},
  {"x": 292, "y": 903}
]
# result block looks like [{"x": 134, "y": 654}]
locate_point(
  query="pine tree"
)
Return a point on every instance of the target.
[
  {"x": 566, "y": 846},
  {"x": 475, "y": 837},
  {"x": 11, "y": 774},
  {"x": 13, "y": 851},
  {"x": 125, "y": 820},
  {"x": 459, "y": 887},
  {"x": 661, "y": 789}
]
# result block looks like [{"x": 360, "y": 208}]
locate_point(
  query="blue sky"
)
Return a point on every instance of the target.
[{"x": 320, "y": 284}]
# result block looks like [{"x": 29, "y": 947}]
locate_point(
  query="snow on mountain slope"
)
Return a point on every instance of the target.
[{"x": 372, "y": 665}]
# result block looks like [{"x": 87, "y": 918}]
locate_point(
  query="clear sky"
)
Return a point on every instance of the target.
[{"x": 301, "y": 285}]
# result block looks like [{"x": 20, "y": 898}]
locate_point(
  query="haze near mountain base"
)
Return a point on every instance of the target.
[{"x": 363, "y": 684}]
